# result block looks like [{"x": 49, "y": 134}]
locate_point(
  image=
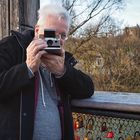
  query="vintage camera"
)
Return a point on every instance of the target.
[{"x": 53, "y": 44}]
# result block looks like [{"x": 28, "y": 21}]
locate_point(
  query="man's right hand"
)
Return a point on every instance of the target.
[{"x": 34, "y": 53}]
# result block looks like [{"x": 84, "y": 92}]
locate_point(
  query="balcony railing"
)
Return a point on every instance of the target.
[{"x": 107, "y": 116}]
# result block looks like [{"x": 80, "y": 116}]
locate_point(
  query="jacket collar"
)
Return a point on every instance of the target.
[{"x": 24, "y": 38}]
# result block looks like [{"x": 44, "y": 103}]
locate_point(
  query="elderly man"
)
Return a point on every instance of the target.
[{"x": 36, "y": 86}]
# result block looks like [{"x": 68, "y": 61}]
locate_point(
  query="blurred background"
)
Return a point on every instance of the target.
[{"x": 105, "y": 38}]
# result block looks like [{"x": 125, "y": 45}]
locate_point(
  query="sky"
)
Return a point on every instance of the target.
[{"x": 130, "y": 16}]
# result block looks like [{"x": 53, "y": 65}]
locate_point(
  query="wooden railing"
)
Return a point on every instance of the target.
[{"x": 107, "y": 116}]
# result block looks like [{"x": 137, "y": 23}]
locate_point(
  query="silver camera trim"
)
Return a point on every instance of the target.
[{"x": 55, "y": 48}]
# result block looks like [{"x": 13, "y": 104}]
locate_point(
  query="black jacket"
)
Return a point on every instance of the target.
[{"x": 17, "y": 90}]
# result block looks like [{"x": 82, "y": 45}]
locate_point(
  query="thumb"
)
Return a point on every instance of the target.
[{"x": 62, "y": 52}]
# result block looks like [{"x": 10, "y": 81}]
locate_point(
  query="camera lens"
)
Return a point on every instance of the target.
[{"x": 49, "y": 42}]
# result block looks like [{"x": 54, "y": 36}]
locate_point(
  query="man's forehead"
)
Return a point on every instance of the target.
[
  {"x": 50, "y": 19},
  {"x": 53, "y": 22}
]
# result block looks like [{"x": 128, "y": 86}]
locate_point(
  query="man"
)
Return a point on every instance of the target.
[{"x": 36, "y": 86}]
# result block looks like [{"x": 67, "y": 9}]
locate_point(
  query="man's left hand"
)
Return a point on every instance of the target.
[{"x": 54, "y": 63}]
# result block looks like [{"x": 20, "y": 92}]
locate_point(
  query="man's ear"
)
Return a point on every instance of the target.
[
  {"x": 36, "y": 29},
  {"x": 38, "y": 32}
]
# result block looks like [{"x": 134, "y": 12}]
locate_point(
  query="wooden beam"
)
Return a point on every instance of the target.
[
  {"x": 13, "y": 13},
  {"x": 28, "y": 13},
  {"x": 4, "y": 28}
]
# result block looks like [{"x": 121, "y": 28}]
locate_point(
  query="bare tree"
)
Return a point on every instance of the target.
[{"x": 83, "y": 12}]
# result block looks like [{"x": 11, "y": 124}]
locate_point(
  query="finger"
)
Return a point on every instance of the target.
[
  {"x": 35, "y": 37},
  {"x": 35, "y": 43},
  {"x": 49, "y": 56},
  {"x": 39, "y": 48},
  {"x": 39, "y": 54},
  {"x": 63, "y": 52}
]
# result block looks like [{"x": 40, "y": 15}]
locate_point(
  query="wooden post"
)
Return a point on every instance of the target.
[
  {"x": 28, "y": 13},
  {"x": 14, "y": 13},
  {"x": 3, "y": 20},
  {"x": 9, "y": 18}
]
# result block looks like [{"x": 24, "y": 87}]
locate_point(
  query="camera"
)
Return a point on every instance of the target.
[{"x": 53, "y": 44}]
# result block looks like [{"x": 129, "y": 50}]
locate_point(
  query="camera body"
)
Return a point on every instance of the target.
[{"x": 53, "y": 44}]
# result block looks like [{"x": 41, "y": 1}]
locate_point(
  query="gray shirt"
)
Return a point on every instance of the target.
[{"x": 47, "y": 124}]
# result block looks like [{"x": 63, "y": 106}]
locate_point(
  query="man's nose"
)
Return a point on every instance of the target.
[{"x": 62, "y": 42}]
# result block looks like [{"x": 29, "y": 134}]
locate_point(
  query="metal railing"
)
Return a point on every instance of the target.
[{"x": 107, "y": 116}]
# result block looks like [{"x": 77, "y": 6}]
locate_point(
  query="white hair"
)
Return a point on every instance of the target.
[{"x": 52, "y": 10}]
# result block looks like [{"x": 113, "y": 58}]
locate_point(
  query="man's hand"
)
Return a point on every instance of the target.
[
  {"x": 54, "y": 63},
  {"x": 34, "y": 54}
]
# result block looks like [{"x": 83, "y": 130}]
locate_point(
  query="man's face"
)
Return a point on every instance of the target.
[{"x": 57, "y": 24}]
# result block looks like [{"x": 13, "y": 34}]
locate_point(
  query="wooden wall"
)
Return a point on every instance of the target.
[
  {"x": 9, "y": 16},
  {"x": 13, "y": 13},
  {"x": 28, "y": 12}
]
